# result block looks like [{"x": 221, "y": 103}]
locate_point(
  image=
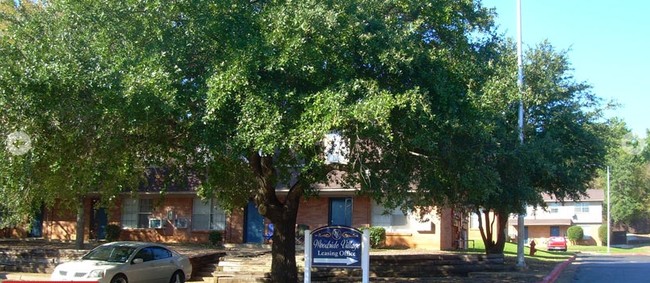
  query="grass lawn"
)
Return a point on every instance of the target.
[
  {"x": 511, "y": 250},
  {"x": 614, "y": 250},
  {"x": 543, "y": 262}
]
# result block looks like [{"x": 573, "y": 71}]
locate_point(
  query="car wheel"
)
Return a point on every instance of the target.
[
  {"x": 178, "y": 277},
  {"x": 120, "y": 278}
]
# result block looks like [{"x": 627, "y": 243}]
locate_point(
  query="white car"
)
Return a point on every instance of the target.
[{"x": 127, "y": 262}]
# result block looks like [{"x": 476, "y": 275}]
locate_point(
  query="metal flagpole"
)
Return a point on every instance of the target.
[
  {"x": 609, "y": 234},
  {"x": 520, "y": 84}
]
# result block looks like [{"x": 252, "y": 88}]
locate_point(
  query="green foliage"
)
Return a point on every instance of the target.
[
  {"x": 629, "y": 177},
  {"x": 113, "y": 232},
  {"x": 565, "y": 136},
  {"x": 215, "y": 237},
  {"x": 575, "y": 233},
  {"x": 377, "y": 236},
  {"x": 239, "y": 95},
  {"x": 602, "y": 234}
]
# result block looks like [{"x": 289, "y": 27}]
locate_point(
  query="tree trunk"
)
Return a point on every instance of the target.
[
  {"x": 283, "y": 248},
  {"x": 282, "y": 214},
  {"x": 79, "y": 240},
  {"x": 489, "y": 232}
]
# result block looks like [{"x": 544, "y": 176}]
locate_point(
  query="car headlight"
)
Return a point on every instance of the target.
[{"x": 97, "y": 273}]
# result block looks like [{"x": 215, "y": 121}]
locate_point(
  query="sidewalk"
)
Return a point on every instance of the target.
[{"x": 20, "y": 276}]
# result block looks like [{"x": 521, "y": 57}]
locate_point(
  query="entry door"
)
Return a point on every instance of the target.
[
  {"x": 98, "y": 221},
  {"x": 101, "y": 220},
  {"x": 340, "y": 211},
  {"x": 37, "y": 225},
  {"x": 254, "y": 225}
]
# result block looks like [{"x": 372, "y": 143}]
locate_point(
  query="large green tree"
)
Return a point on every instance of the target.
[
  {"x": 391, "y": 77},
  {"x": 629, "y": 178},
  {"x": 565, "y": 138},
  {"x": 241, "y": 94},
  {"x": 105, "y": 89}
]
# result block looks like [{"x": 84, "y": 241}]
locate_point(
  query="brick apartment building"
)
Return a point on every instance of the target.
[{"x": 181, "y": 216}]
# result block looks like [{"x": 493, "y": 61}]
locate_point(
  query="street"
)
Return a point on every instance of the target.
[{"x": 607, "y": 268}]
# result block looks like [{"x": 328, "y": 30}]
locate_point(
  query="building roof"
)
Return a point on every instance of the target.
[{"x": 592, "y": 195}]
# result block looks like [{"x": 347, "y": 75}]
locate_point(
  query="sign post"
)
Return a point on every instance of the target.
[
  {"x": 365, "y": 256},
  {"x": 307, "y": 242},
  {"x": 337, "y": 247}
]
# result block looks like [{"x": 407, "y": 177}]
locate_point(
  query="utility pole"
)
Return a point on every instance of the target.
[
  {"x": 521, "y": 263},
  {"x": 609, "y": 221}
]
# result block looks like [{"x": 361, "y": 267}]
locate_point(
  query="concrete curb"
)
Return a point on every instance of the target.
[
  {"x": 23, "y": 276},
  {"x": 555, "y": 273}
]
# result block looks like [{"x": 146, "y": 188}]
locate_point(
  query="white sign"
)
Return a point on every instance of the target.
[{"x": 336, "y": 148}]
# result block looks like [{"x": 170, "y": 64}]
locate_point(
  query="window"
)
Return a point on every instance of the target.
[
  {"x": 473, "y": 221},
  {"x": 145, "y": 254},
  {"x": 136, "y": 213},
  {"x": 153, "y": 253},
  {"x": 161, "y": 253},
  {"x": 181, "y": 223},
  {"x": 554, "y": 207},
  {"x": 391, "y": 221},
  {"x": 581, "y": 207},
  {"x": 207, "y": 215}
]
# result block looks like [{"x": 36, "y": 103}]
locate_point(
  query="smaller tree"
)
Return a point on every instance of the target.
[
  {"x": 575, "y": 233},
  {"x": 602, "y": 234}
]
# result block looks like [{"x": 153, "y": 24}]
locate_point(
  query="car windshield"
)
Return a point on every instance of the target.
[{"x": 110, "y": 253}]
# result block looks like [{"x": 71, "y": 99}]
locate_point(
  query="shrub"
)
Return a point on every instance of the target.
[
  {"x": 113, "y": 232},
  {"x": 602, "y": 234},
  {"x": 377, "y": 236},
  {"x": 575, "y": 233},
  {"x": 215, "y": 237}
]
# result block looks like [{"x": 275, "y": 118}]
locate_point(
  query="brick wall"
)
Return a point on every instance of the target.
[
  {"x": 167, "y": 209},
  {"x": 314, "y": 212},
  {"x": 60, "y": 224},
  {"x": 235, "y": 227},
  {"x": 60, "y": 221}
]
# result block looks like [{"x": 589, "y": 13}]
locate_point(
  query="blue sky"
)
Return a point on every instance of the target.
[{"x": 608, "y": 44}]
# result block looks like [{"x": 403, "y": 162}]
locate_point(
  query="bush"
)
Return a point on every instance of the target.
[
  {"x": 215, "y": 237},
  {"x": 377, "y": 237},
  {"x": 575, "y": 233},
  {"x": 113, "y": 232},
  {"x": 602, "y": 234}
]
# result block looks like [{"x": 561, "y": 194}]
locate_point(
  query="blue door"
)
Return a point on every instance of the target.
[
  {"x": 101, "y": 220},
  {"x": 37, "y": 225},
  {"x": 340, "y": 211},
  {"x": 98, "y": 220},
  {"x": 254, "y": 225}
]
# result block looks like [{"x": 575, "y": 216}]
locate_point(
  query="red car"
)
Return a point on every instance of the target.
[{"x": 556, "y": 244}]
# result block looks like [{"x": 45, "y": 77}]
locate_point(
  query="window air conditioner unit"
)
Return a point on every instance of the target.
[
  {"x": 155, "y": 223},
  {"x": 181, "y": 223}
]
